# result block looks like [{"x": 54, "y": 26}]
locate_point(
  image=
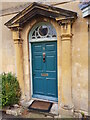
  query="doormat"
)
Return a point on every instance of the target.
[{"x": 40, "y": 106}]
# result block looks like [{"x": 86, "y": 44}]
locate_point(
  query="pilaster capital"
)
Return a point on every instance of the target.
[
  {"x": 17, "y": 36},
  {"x": 66, "y": 30},
  {"x": 18, "y": 41},
  {"x": 66, "y": 36}
]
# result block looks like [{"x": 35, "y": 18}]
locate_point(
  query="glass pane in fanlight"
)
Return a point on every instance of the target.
[
  {"x": 43, "y": 30},
  {"x": 33, "y": 33}
]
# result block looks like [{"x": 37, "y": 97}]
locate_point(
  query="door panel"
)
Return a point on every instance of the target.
[
  {"x": 38, "y": 59},
  {"x": 50, "y": 65},
  {"x": 44, "y": 73},
  {"x": 37, "y": 48},
  {"x": 38, "y": 88},
  {"x": 51, "y": 89},
  {"x": 50, "y": 47}
]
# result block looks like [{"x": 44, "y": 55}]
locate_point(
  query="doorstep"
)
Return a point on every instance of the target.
[{"x": 53, "y": 110}]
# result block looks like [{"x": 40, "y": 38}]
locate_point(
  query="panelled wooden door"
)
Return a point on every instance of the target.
[{"x": 44, "y": 69}]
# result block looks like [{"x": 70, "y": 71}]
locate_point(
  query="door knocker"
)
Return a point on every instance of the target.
[{"x": 44, "y": 57}]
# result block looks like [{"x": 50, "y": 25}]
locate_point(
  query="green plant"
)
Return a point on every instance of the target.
[
  {"x": 82, "y": 113},
  {"x": 10, "y": 89}
]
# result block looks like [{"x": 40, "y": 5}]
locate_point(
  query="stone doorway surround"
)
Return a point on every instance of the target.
[{"x": 62, "y": 21}]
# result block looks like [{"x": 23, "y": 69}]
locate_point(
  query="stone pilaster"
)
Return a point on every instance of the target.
[
  {"x": 66, "y": 67},
  {"x": 19, "y": 59}
]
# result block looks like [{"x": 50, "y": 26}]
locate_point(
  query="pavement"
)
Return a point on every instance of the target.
[
  {"x": 22, "y": 112},
  {"x": 27, "y": 115}
]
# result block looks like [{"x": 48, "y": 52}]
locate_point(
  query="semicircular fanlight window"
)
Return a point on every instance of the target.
[{"x": 43, "y": 31}]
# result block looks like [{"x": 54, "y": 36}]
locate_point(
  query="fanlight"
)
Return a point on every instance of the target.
[{"x": 43, "y": 31}]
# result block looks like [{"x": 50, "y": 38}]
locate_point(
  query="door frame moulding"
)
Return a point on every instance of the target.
[{"x": 30, "y": 56}]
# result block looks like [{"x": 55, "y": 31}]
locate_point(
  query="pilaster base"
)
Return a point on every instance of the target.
[{"x": 66, "y": 111}]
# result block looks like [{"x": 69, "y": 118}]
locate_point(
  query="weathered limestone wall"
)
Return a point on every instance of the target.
[
  {"x": 79, "y": 58},
  {"x": 8, "y": 52}
]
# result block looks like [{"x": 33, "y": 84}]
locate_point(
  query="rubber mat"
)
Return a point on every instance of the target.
[{"x": 40, "y": 106}]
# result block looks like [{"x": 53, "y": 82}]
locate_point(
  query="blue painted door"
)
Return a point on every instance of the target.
[{"x": 44, "y": 70}]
